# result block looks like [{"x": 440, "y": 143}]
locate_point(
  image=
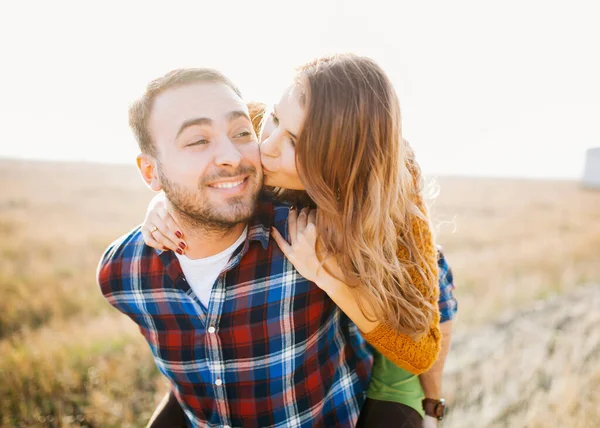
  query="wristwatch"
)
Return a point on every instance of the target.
[{"x": 435, "y": 408}]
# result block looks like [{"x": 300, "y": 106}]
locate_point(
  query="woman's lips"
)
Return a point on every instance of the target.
[{"x": 266, "y": 170}]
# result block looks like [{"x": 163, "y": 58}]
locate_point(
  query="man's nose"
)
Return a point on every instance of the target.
[{"x": 227, "y": 153}]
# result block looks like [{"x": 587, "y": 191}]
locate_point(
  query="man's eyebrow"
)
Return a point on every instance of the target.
[
  {"x": 191, "y": 122},
  {"x": 236, "y": 114},
  {"x": 199, "y": 121}
]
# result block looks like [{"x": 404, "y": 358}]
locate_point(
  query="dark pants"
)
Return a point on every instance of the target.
[
  {"x": 387, "y": 414},
  {"x": 374, "y": 414},
  {"x": 168, "y": 414}
]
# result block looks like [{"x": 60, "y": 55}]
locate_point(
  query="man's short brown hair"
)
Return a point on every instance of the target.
[{"x": 140, "y": 110}]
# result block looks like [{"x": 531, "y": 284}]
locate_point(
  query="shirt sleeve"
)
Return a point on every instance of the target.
[{"x": 447, "y": 302}]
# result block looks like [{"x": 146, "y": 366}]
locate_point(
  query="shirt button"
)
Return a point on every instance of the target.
[
  {"x": 218, "y": 382},
  {"x": 211, "y": 329}
]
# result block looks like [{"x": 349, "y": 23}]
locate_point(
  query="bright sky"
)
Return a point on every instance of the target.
[{"x": 507, "y": 88}]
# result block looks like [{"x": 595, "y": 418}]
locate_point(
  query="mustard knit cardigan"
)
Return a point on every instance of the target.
[{"x": 414, "y": 356}]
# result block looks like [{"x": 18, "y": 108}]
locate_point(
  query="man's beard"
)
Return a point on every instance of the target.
[{"x": 195, "y": 207}]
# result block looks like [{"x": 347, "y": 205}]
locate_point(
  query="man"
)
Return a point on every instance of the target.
[{"x": 254, "y": 343}]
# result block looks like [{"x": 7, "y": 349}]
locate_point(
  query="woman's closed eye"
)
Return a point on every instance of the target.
[
  {"x": 276, "y": 122},
  {"x": 275, "y": 118}
]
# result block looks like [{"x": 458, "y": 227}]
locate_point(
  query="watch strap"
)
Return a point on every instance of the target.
[{"x": 434, "y": 408}]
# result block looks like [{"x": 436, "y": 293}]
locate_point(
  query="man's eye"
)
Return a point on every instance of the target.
[
  {"x": 243, "y": 134},
  {"x": 198, "y": 143}
]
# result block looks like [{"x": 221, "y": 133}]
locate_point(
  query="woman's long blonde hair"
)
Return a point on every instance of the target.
[{"x": 359, "y": 171}]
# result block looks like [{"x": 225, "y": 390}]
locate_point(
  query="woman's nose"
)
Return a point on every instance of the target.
[{"x": 269, "y": 147}]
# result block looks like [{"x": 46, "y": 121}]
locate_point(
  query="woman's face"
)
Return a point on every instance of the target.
[{"x": 278, "y": 141}]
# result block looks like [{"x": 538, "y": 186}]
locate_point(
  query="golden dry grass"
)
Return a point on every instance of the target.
[
  {"x": 512, "y": 242},
  {"x": 68, "y": 358}
]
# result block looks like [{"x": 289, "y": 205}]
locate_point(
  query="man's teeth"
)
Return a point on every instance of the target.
[{"x": 229, "y": 185}]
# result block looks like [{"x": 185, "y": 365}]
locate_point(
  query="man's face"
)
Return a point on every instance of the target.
[{"x": 208, "y": 158}]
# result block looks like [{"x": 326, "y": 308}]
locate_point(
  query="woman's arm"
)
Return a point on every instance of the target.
[
  {"x": 431, "y": 380},
  {"x": 416, "y": 356}
]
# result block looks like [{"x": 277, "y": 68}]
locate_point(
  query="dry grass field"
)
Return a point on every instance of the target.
[{"x": 525, "y": 255}]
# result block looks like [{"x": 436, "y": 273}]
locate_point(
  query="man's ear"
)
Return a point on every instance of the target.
[{"x": 149, "y": 170}]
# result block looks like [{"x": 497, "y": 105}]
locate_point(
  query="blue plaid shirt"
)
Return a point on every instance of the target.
[
  {"x": 270, "y": 350},
  {"x": 447, "y": 302}
]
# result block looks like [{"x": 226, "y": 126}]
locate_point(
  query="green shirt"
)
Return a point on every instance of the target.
[{"x": 391, "y": 383}]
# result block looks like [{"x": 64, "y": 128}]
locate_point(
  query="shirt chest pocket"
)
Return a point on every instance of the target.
[{"x": 171, "y": 323}]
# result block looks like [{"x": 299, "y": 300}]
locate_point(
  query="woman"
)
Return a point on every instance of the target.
[{"x": 334, "y": 141}]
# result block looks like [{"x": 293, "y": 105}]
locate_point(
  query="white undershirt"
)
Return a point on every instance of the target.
[{"x": 201, "y": 274}]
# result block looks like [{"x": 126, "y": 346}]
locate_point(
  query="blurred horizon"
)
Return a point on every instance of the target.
[{"x": 427, "y": 174}]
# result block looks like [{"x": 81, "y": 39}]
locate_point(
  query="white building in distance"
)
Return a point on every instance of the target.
[{"x": 591, "y": 174}]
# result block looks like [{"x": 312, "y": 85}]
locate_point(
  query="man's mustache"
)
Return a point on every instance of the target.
[{"x": 241, "y": 170}]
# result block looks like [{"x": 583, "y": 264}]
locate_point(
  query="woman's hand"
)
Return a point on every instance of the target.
[
  {"x": 159, "y": 229},
  {"x": 302, "y": 250},
  {"x": 302, "y": 253}
]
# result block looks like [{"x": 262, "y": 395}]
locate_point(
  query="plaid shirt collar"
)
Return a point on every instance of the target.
[{"x": 259, "y": 229}]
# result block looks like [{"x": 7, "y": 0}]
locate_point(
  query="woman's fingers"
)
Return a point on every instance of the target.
[
  {"x": 165, "y": 242},
  {"x": 301, "y": 253},
  {"x": 311, "y": 227},
  {"x": 302, "y": 220},
  {"x": 286, "y": 248},
  {"x": 312, "y": 217},
  {"x": 159, "y": 231},
  {"x": 171, "y": 230},
  {"x": 149, "y": 239},
  {"x": 292, "y": 224}
]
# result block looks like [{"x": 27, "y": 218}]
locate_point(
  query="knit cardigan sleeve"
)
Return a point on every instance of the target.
[{"x": 416, "y": 356}]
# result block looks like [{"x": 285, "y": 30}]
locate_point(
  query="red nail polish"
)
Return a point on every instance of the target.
[
  {"x": 292, "y": 208},
  {"x": 179, "y": 251},
  {"x": 182, "y": 245},
  {"x": 178, "y": 234},
  {"x": 165, "y": 249}
]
